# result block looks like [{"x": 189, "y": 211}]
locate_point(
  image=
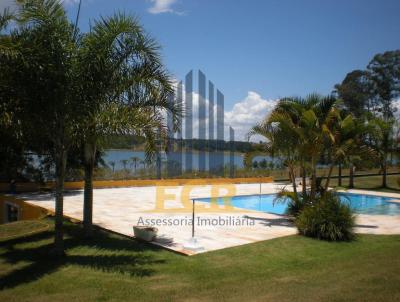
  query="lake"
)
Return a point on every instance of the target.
[{"x": 118, "y": 156}]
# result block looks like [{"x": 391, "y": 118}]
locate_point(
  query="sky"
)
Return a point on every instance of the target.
[{"x": 257, "y": 51}]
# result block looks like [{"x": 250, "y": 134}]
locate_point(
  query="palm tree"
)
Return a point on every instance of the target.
[
  {"x": 281, "y": 142},
  {"x": 298, "y": 130},
  {"x": 41, "y": 48},
  {"x": 348, "y": 145},
  {"x": 125, "y": 87},
  {"x": 382, "y": 139}
]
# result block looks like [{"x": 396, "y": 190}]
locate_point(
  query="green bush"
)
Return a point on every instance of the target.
[
  {"x": 328, "y": 219},
  {"x": 295, "y": 203}
]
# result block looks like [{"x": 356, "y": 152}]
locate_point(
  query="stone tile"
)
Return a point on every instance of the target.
[{"x": 119, "y": 209}]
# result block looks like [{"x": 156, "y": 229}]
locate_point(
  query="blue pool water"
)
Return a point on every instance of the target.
[{"x": 361, "y": 204}]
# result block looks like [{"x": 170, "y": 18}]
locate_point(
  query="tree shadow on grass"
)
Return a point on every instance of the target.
[{"x": 104, "y": 252}]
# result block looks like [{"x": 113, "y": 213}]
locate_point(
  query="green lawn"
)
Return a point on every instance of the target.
[
  {"x": 372, "y": 183},
  {"x": 114, "y": 268}
]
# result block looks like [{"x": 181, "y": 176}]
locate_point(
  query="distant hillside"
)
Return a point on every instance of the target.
[{"x": 137, "y": 143}]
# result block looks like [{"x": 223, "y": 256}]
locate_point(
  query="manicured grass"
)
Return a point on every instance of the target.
[
  {"x": 23, "y": 228},
  {"x": 373, "y": 183},
  {"x": 115, "y": 268}
]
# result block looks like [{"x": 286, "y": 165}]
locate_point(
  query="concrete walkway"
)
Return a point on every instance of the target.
[{"x": 119, "y": 209}]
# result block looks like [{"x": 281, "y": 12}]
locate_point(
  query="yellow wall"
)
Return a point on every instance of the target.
[
  {"x": 26, "y": 211},
  {"x": 26, "y": 187}
]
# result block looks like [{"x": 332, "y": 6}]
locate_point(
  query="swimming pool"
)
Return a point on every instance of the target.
[{"x": 361, "y": 204}]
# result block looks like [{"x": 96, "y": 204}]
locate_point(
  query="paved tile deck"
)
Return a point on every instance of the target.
[{"x": 119, "y": 209}]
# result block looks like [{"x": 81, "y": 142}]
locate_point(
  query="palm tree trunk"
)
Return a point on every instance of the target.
[
  {"x": 384, "y": 174},
  {"x": 303, "y": 172},
  {"x": 328, "y": 179},
  {"x": 351, "y": 176},
  {"x": 340, "y": 175},
  {"x": 60, "y": 161},
  {"x": 293, "y": 179},
  {"x": 313, "y": 179},
  {"x": 90, "y": 154}
]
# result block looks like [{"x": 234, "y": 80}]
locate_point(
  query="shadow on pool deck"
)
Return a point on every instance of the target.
[
  {"x": 366, "y": 226},
  {"x": 286, "y": 222},
  {"x": 282, "y": 221}
]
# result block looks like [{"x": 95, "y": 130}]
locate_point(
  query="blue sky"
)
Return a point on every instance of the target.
[
  {"x": 261, "y": 50},
  {"x": 275, "y": 48}
]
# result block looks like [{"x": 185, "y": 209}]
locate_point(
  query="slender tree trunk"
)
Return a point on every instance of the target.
[
  {"x": 351, "y": 176},
  {"x": 340, "y": 175},
  {"x": 328, "y": 179},
  {"x": 60, "y": 159},
  {"x": 90, "y": 154},
  {"x": 384, "y": 174},
  {"x": 293, "y": 179},
  {"x": 304, "y": 183},
  {"x": 313, "y": 179}
]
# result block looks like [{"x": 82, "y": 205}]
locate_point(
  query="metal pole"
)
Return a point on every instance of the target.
[{"x": 193, "y": 202}]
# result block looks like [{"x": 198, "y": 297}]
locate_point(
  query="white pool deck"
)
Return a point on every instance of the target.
[{"x": 119, "y": 209}]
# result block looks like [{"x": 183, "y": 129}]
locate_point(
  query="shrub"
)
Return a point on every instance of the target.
[
  {"x": 295, "y": 203},
  {"x": 328, "y": 219}
]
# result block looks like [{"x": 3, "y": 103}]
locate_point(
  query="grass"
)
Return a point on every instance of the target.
[
  {"x": 372, "y": 183},
  {"x": 115, "y": 268}
]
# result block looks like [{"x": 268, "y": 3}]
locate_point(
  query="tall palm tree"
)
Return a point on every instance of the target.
[
  {"x": 382, "y": 140},
  {"x": 348, "y": 145},
  {"x": 41, "y": 48},
  {"x": 281, "y": 141},
  {"x": 125, "y": 87},
  {"x": 298, "y": 129}
]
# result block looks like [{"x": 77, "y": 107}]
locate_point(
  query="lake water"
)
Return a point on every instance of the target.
[{"x": 118, "y": 156}]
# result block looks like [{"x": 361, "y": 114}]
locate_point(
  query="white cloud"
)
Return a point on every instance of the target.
[
  {"x": 162, "y": 6},
  {"x": 247, "y": 113}
]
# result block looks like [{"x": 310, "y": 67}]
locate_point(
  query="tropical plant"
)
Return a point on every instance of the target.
[
  {"x": 297, "y": 130},
  {"x": 381, "y": 140},
  {"x": 41, "y": 49},
  {"x": 328, "y": 219},
  {"x": 125, "y": 87},
  {"x": 348, "y": 145},
  {"x": 295, "y": 202},
  {"x": 281, "y": 141}
]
